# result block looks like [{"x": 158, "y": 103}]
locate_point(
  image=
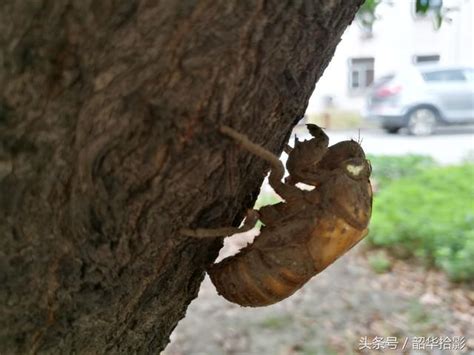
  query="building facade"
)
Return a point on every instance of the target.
[{"x": 398, "y": 38}]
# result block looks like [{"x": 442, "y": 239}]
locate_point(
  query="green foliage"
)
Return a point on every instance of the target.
[
  {"x": 366, "y": 14},
  {"x": 370, "y": 5},
  {"x": 277, "y": 322},
  {"x": 431, "y": 216},
  {"x": 425, "y": 7},
  {"x": 421, "y": 320},
  {"x": 379, "y": 262},
  {"x": 422, "y": 6},
  {"x": 386, "y": 169}
]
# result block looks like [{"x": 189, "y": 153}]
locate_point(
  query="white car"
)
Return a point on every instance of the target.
[{"x": 420, "y": 98}]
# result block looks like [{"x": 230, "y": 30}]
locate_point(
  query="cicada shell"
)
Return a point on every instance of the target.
[{"x": 306, "y": 233}]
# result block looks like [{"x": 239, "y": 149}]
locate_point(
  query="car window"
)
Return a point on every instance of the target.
[
  {"x": 444, "y": 75},
  {"x": 469, "y": 74}
]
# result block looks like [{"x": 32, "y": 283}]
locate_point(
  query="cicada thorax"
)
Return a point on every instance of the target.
[
  {"x": 271, "y": 269},
  {"x": 338, "y": 153}
]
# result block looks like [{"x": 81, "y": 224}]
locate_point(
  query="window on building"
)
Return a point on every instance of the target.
[
  {"x": 427, "y": 58},
  {"x": 361, "y": 73}
]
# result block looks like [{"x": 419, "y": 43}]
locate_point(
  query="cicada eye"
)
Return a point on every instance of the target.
[
  {"x": 357, "y": 168},
  {"x": 354, "y": 169}
]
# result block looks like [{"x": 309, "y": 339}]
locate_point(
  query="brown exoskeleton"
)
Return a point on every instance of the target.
[{"x": 304, "y": 234}]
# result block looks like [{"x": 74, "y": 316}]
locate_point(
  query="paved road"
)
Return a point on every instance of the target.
[{"x": 447, "y": 146}]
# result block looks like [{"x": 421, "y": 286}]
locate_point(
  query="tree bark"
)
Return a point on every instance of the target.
[{"x": 109, "y": 145}]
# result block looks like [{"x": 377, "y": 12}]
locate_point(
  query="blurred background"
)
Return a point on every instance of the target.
[{"x": 402, "y": 82}]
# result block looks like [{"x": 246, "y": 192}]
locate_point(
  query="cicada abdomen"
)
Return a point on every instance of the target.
[{"x": 268, "y": 270}]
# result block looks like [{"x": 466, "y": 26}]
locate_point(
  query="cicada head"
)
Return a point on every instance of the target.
[{"x": 357, "y": 168}]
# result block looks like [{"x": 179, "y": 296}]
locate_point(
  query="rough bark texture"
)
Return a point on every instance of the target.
[{"x": 108, "y": 117}]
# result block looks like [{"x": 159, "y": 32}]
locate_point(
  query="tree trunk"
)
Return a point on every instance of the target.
[{"x": 109, "y": 145}]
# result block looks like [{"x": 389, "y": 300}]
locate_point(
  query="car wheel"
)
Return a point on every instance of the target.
[
  {"x": 422, "y": 121},
  {"x": 391, "y": 130}
]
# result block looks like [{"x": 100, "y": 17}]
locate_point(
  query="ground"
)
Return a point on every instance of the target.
[{"x": 332, "y": 313}]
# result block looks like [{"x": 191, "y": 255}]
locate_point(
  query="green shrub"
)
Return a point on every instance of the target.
[
  {"x": 386, "y": 169},
  {"x": 430, "y": 215},
  {"x": 277, "y": 321},
  {"x": 379, "y": 262}
]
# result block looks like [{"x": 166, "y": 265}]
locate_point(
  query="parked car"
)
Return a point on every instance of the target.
[{"x": 420, "y": 98}]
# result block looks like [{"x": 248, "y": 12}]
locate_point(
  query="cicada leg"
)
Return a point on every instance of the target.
[
  {"x": 286, "y": 191},
  {"x": 250, "y": 221}
]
